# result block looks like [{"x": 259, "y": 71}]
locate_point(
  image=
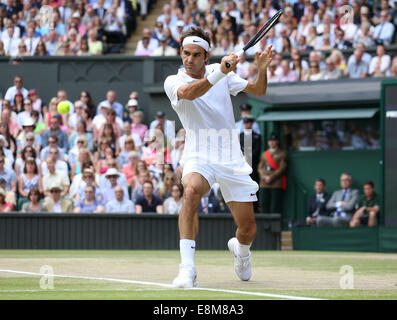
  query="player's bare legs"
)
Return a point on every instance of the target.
[
  {"x": 243, "y": 214},
  {"x": 195, "y": 186}
]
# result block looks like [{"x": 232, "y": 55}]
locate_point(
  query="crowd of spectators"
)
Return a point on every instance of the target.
[
  {"x": 98, "y": 157},
  {"x": 312, "y": 34},
  {"x": 73, "y": 28},
  {"x": 332, "y": 135}
]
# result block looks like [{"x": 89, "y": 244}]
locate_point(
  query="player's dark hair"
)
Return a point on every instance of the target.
[
  {"x": 198, "y": 32},
  {"x": 321, "y": 180}
]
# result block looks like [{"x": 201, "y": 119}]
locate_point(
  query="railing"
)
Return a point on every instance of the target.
[{"x": 125, "y": 231}]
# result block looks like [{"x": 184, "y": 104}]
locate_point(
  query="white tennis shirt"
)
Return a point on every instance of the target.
[{"x": 209, "y": 121}]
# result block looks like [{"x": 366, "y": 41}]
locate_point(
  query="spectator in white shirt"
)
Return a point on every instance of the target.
[
  {"x": 17, "y": 88},
  {"x": 384, "y": 31},
  {"x": 10, "y": 43},
  {"x": 379, "y": 64},
  {"x": 128, "y": 133},
  {"x": 120, "y": 204},
  {"x": 31, "y": 41},
  {"x": 60, "y": 165}
]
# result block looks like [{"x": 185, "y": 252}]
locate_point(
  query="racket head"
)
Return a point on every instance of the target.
[{"x": 264, "y": 30}]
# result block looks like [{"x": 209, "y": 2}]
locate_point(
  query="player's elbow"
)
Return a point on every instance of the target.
[{"x": 186, "y": 94}]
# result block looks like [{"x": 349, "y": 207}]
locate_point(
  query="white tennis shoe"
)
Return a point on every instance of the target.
[
  {"x": 186, "y": 278},
  {"x": 242, "y": 265}
]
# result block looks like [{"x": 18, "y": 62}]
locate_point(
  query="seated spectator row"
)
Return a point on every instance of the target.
[
  {"x": 345, "y": 207},
  {"x": 79, "y": 28}
]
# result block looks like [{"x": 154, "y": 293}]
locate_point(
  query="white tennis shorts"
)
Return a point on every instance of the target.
[{"x": 235, "y": 184}]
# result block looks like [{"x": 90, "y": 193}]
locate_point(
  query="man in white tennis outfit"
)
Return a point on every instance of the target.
[{"x": 200, "y": 94}]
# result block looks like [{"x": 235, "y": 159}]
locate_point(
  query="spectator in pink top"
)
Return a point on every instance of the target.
[
  {"x": 287, "y": 75},
  {"x": 137, "y": 126},
  {"x": 145, "y": 50}
]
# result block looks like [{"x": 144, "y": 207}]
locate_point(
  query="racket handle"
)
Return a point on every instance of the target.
[{"x": 239, "y": 54}]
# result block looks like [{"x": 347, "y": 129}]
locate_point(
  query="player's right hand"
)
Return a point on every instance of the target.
[{"x": 232, "y": 59}]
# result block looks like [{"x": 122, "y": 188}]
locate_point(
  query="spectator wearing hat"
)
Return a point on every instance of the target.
[
  {"x": 4, "y": 205},
  {"x": 251, "y": 145},
  {"x": 245, "y": 110},
  {"x": 55, "y": 130},
  {"x": 54, "y": 176},
  {"x": 168, "y": 126},
  {"x": 55, "y": 203},
  {"x": 89, "y": 204},
  {"x": 164, "y": 49},
  {"x": 120, "y": 204},
  {"x": 271, "y": 169},
  {"x": 100, "y": 118},
  {"x": 16, "y": 88},
  {"x": 108, "y": 190},
  {"x": 148, "y": 202},
  {"x": 130, "y": 108},
  {"x": 28, "y": 127},
  {"x": 37, "y": 103},
  {"x": 79, "y": 181}
]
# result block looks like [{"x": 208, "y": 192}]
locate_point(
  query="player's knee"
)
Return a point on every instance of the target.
[
  {"x": 191, "y": 194},
  {"x": 248, "y": 230}
]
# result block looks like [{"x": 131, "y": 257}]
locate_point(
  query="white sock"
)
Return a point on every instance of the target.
[
  {"x": 243, "y": 249},
  {"x": 187, "y": 248}
]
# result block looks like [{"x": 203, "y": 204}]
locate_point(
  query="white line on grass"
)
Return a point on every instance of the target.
[{"x": 165, "y": 285}]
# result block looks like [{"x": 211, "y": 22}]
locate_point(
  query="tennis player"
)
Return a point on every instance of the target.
[{"x": 200, "y": 94}]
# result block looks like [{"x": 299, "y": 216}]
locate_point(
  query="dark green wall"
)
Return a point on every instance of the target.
[{"x": 305, "y": 167}]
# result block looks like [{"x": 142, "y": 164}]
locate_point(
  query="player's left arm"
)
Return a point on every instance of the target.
[{"x": 259, "y": 86}]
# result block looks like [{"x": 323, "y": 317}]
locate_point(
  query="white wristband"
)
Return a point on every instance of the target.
[{"x": 215, "y": 76}]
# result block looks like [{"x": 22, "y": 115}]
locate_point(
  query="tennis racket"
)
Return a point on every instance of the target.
[{"x": 260, "y": 34}]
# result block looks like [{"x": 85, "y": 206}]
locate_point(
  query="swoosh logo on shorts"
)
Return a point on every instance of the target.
[{"x": 252, "y": 194}]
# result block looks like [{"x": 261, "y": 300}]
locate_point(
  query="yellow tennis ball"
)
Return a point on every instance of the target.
[{"x": 63, "y": 107}]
